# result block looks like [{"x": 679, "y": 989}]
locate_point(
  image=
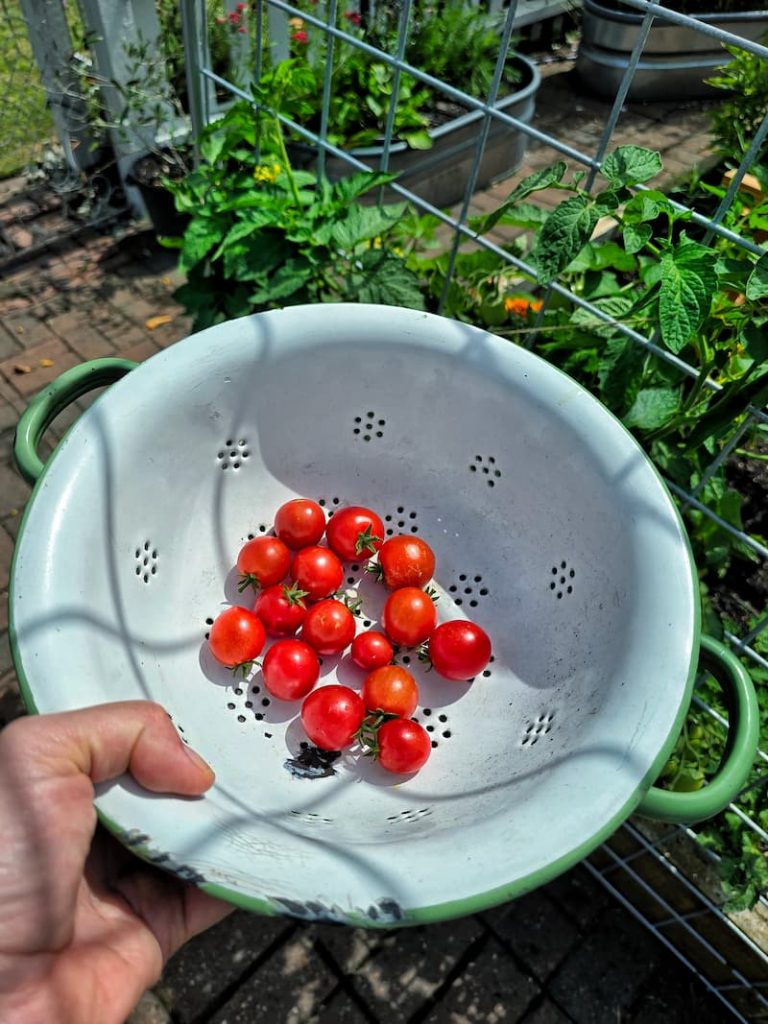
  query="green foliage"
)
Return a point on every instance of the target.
[
  {"x": 263, "y": 235},
  {"x": 735, "y": 122},
  {"x": 453, "y": 41},
  {"x": 707, "y": 304}
]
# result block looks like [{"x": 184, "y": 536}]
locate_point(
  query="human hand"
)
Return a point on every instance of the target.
[{"x": 85, "y": 927}]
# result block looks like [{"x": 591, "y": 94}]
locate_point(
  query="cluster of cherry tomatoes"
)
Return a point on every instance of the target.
[{"x": 297, "y": 581}]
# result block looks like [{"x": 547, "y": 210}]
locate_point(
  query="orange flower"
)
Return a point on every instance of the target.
[{"x": 522, "y": 307}]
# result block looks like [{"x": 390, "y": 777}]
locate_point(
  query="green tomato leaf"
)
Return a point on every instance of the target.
[
  {"x": 287, "y": 279},
  {"x": 631, "y": 165},
  {"x": 535, "y": 182},
  {"x": 603, "y": 256},
  {"x": 652, "y": 408},
  {"x": 646, "y": 206},
  {"x": 364, "y": 222},
  {"x": 635, "y": 236},
  {"x": 757, "y": 283},
  {"x": 357, "y": 184},
  {"x": 567, "y": 229},
  {"x": 200, "y": 237},
  {"x": 688, "y": 283},
  {"x": 381, "y": 277}
]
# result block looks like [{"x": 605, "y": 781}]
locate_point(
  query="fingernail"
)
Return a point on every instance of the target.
[{"x": 196, "y": 760}]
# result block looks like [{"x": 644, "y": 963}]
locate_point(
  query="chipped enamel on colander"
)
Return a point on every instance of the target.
[{"x": 550, "y": 528}]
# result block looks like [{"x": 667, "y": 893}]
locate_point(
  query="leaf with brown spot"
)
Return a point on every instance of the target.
[
  {"x": 46, "y": 362},
  {"x": 22, "y": 368}
]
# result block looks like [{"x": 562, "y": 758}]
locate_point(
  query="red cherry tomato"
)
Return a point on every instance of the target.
[
  {"x": 406, "y": 562},
  {"x": 329, "y": 627},
  {"x": 236, "y": 637},
  {"x": 300, "y": 523},
  {"x": 262, "y": 562},
  {"x": 409, "y": 616},
  {"x": 317, "y": 571},
  {"x": 371, "y": 650},
  {"x": 290, "y": 669},
  {"x": 281, "y": 609},
  {"x": 331, "y": 716},
  {"x": 459, "y": 649},
  {"x": 354, "y": 532},
  {"x": 392, "y": 690},
  {"x": 404, "y": 746}
]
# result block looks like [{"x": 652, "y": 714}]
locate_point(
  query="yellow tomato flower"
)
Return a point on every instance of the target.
[{"x": 266, "y": 174}]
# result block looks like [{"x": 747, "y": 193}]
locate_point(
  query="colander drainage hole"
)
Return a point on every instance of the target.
[
  {"x": 400, "y": 520},
  {"x": 146, "y": 561},
  {"x": 563, "y": 580},
  {"x": 485, "y": 467},
  {"x": 369, "y": 426},
  {"x": 325, "y": 502},
  {"x": 233, "y": 454},
  {"x": 468, "y": 588},
  {"x": 538, "y": 728}
]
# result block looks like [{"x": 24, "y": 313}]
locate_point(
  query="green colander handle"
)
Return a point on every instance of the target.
[
  {"x": 740, "y": 747},
  {"x": 46, "y": 406}
]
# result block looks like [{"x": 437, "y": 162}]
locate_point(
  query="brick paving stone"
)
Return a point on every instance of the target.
[
  {"x": 6, "y": 551},
  {"x": 6, "y": 661},
  {"x": 290, "y": 988},
  {"x": 28, "y": 384},
  {"x": 9, "y": 346},
  {"x": 12, "y": 521},
  {"x": 28, "y": 330},
  {"x": 131, "y": 304},
  {"x": 14, "y": 491},
  {"x": 411, "y": 965},
  {"x": 548, "y": 1013},
  {"x": 579, "y": 895},
  {"x": 341, "y": 1009},
  {"x": 149, "y": 1011},
  {"x": 601, "y": 978},
  {"x": 5, "y": 564},
  {"x": 140, "y": 351},
  {"x": 349, "y": 947},
  {"x": 11, "y": 704},
  {"x": 195, "y": 978},
  {"x": 534, "y": 928},
  {"x": 75, "y": 329},
  {"x": 491, "y": 989}
]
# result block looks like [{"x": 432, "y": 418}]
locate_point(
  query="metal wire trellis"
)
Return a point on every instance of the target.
[{"x": 684, "y": 931}]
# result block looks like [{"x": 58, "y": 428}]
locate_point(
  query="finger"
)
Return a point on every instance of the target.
[
  {"x": 173, "y": 910},
  {"x": 105, "y": 741}
]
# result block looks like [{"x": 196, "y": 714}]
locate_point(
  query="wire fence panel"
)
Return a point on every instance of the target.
[{"x": 688, "y": 926}]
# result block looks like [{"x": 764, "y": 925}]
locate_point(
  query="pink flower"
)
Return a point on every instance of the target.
[
  {"x": 353, "y": 17},
  {"x": 243, "y": 31},
  {"x": 300, "y": 37},
  {"x": 241, "y": 7},
  {"x": 234, "y": 18}
]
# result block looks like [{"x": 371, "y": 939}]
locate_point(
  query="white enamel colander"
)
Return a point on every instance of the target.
[{"x": 551, "y": 529}]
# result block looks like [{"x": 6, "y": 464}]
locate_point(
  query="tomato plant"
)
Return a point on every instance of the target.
[
  {"x": 405, "y": 562},
  {"x": 329, "y": 626},
  {"x": 459, "y": 649},
  {"x": 317, "y": 571},
  {"x": 354, "y": 532},
  {"x": 290, "y": 669},
  {"x": 332, "y": 715},
  {"x": 409, "y": 616},
  {"x": 300, "y": 523},
  {"x": 236, "y": 637},
  {"x": 281, "y": 609},
  {"x": 391, "y": 689},
  {"x": 371, "y": 650},
  {"x": 262, "y": 562},
  {"x": 404, "y": 746}
]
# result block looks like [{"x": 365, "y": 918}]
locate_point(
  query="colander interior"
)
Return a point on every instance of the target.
[{"x": 550, "y": 529}]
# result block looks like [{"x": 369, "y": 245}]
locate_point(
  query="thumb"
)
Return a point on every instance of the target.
[{"x": 105, "y": 741}]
